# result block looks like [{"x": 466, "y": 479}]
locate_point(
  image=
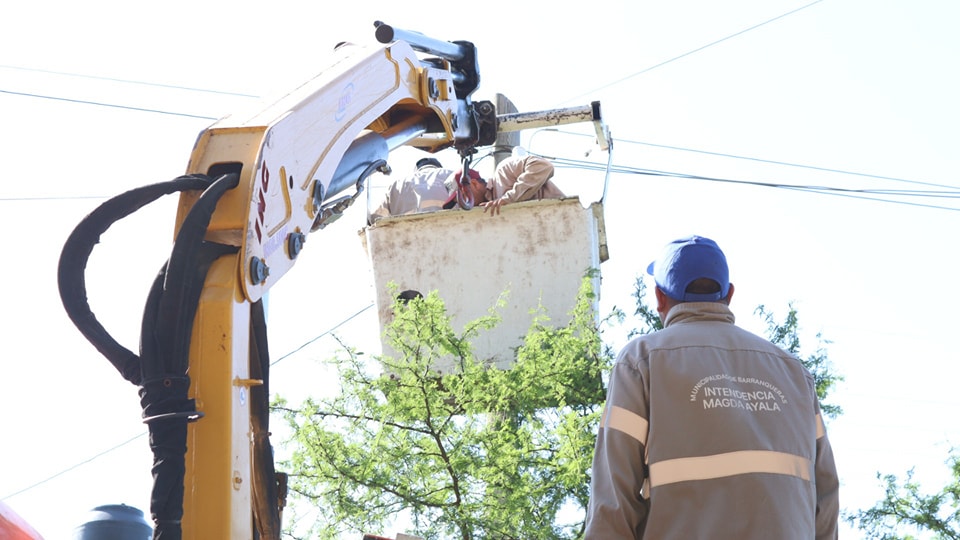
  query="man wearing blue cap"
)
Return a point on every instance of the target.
[{"x": 709, "y": 431}]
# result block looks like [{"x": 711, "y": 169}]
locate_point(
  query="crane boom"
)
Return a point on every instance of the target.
[{"x": 293, "y": 158}]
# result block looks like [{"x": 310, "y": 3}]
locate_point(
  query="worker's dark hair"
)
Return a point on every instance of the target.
[
  {"x": 408, "y": 295},
  {"x": 706, "y": 286},
  {"x": 428, "y": 161},
  {"x": 703, "y": 286}
]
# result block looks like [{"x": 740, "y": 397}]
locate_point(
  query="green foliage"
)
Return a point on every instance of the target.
[
  {"x": 786, "y": 335},
  {"x": 482, "y": 453},
  {"x": 647, "y": 314},
  {"x": 905, "y": 507}
]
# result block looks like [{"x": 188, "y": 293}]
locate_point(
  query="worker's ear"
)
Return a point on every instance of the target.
[
  {"x": 479, "y": 188},
  {"x": 663, "y": 301},
  {"x": 729, "y": 294}
]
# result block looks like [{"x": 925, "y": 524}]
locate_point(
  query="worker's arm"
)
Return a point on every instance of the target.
[
  {"x": 522, "y": 179},
  {"x": 828, "y": 486},
  {"x": 617, "y": 509},
  {"x": 519, "y": 179}
]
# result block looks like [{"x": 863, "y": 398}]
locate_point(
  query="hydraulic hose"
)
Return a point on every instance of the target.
[
  {"x": 76, "y": 253},
  {"x": 161, "y": 368}
]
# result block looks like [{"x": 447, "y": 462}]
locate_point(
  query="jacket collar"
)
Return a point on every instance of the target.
[{"x": 699, "y": 311}]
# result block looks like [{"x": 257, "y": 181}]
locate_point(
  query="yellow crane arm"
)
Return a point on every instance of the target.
[{"x": 292, "y": 158}]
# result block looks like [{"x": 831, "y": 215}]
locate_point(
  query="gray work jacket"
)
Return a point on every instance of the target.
[{"x": 711, "y": 432}]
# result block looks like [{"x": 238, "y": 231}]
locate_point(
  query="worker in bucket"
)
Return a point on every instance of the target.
[{"x": 423, "y": 191}]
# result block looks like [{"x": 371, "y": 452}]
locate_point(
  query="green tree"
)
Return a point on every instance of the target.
[
  {"x": 483, "y": 453},
  {"x": 644, "y": 312},
  {"x": 905, "y": 508},
  {"x": 786, "y": 334}
]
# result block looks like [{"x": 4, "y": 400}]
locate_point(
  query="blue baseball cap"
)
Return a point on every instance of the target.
[{"x": 688, "y": 259}]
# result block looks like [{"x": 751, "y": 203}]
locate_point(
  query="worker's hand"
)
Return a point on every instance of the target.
[{"x": 493, "y": 206}]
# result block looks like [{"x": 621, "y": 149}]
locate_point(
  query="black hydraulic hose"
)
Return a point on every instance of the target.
[
  {"x": 161, "y": 368},
  {"x": 164, "y": 356},
  {"x": 76, "y": 253},
  {"x": 269, "y": 495},
  {"x": 186, "y": 270}
]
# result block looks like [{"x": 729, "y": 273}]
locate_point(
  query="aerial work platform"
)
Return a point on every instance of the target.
[{"x": 538, "y": 252}]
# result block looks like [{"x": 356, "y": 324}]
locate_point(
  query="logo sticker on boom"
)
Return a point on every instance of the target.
[
  {"x": 346, "y": 97},
  {"x": 260, "y": 199}
]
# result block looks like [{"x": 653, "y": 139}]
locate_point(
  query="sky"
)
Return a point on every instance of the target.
[{"x": 849, "y": 94}]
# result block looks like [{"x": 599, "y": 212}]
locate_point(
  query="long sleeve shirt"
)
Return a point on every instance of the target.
[
  {"x": 524, "y": 178},
  {"x": 423, "y": 191}
]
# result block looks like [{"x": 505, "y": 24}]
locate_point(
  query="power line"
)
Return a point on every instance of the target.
[
  {"x": 759, "y": 160},
  {"x": 101, "y": 104},
  {"x": 864, "y": 194},
  {"x": 68, "y": 469},
  {"x": 193, "y": 89},
  {"x": 128, "y": 81},
  {"x": 773, "y": 162},
  {"x": 338, "y": 325},
  {"x": 871, "y": 194},
  {"x": 688, "y": 53}
]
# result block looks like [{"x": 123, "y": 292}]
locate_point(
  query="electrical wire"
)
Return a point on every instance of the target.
[
  {"x": 72, "y": 467},
  {"x": 127, "y": 81},
  {"x": 759, "y": 160},
  {"x": 587, "y": 165},
  {"x": 773, "y": 162},
  {"x": 873, "y": 194},
  {"x": 338, "y": 325},
  {"x": 193, "y": 89},
  {"x": 864, "y": 194},
  {"x": 693, "y": 51},
  {"x": 101, "y": 104}
]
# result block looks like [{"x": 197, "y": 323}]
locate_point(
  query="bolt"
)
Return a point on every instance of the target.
[
  {"x": 295, "y": 244},
  {"x": 258, "y": 270}
]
